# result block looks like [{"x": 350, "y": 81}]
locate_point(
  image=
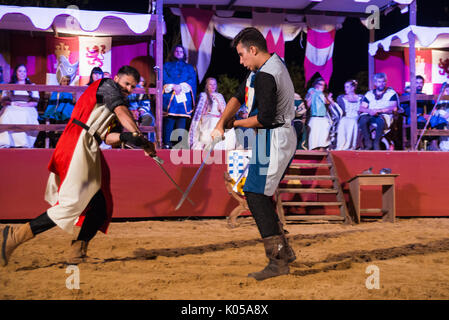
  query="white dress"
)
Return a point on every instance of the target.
[
  {"x": 348, "y": 128},
  {"x": 16, "y": 114},
  {"x": 203, "y": 124}
]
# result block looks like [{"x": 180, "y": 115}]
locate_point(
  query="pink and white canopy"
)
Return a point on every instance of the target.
[
  {"x": 342, "y": 6},
  {"x": 75, "y": 21},
  {"x": 428, "y": 37}
]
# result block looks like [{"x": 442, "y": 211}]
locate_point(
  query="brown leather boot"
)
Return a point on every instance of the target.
[
  {"x": 12, "y": 237},
  {"x": 278, "y": 256},
  {"x": 291, "y": 256},
  {"x": 78, "y": 252}
]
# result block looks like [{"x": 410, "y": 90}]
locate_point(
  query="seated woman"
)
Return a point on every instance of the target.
[
  {"x": 348, "y": 128},
  {"x": 59, "y": 108},
  {"x": 60, "y": 105},
  {"x": 209, "y": 109},
  {"x": 319, "y": 121},
  {"x": 95, "y": 74},
  {"x": 19, "y": 107}
]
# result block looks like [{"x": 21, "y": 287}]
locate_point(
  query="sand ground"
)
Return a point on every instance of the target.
[{"x": 205, "y": 259}]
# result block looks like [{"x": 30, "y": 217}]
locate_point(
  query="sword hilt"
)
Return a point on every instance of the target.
[{"x": 158, "y": 160}]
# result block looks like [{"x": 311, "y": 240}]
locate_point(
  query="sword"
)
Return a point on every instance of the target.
[
  {"x": 209, "y": 149},
  {"x": 159, "y": 163}
]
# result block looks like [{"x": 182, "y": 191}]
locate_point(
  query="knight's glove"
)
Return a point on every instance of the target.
[{"x": 135, "y": 138}]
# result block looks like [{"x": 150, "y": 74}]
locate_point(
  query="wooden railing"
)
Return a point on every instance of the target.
[
  {"x": 49, "y": 127},
  {"x": 423, "y": 97},
  {"x": 52, "y": 88}
]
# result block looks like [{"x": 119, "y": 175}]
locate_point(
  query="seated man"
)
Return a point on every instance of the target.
[
  {"x": 421, "y": 111},
  {"x": 140, "y": 107},
  {"x": 377, "y": 107}
]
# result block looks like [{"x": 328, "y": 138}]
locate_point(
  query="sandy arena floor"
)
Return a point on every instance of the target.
[{"x": 204, "y": 259}]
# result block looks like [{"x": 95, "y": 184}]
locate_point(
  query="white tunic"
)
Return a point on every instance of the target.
[
  {"x": 200, "y": 130},
  {"x": 348, "y": 128}
]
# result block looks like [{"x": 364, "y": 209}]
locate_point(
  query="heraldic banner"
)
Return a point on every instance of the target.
[
  {"x": 62, "y": 59},
  {"x": 94, "y": 52}
]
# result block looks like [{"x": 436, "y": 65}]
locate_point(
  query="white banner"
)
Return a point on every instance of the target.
[
  {"x": 440, "y": 66},
  {"x": 94, "y": 52}
]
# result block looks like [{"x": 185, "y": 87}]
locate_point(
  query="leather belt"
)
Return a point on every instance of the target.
[{"x": 87, "y": 128}]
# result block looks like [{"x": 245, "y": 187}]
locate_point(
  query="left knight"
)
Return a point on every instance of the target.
[{"x": 78, "y": 185}]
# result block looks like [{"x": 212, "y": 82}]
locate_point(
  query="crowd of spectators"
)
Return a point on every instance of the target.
[{"x": 352, "y": 121}]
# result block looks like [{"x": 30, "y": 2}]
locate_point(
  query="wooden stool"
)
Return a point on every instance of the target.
[{"x": 388, "y": 199}]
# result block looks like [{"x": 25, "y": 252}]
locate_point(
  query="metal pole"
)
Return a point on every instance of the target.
[
  {"x": 371, "y": 65},
  {"x": 159, "y": 68},
  {"x": 412, "y": 64}
]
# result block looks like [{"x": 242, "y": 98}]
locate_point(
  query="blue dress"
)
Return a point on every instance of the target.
[
  {"x": 179, "y": 72},
  {"x": 60, "y": 106}
]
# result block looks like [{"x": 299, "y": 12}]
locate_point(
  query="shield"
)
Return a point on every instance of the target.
[{"x": 238, "y": 163}]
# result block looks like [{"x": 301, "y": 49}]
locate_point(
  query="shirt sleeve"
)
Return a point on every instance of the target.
[
  {"x": 394, "y": 98},
  {"x": 109, "y": 93},
  {"x": 240, "y": 94},
  {"x": 265, "y": 90},
  {"x": 365, "y": 99}
]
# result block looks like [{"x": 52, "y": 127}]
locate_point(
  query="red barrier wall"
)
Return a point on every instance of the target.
[
  {"x": 421, "y": 188},
  {"x": 140, "y": 189}
]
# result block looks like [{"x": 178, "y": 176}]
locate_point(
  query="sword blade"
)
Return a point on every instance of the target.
[
  {"x": 209, "y": 149},
  {"x": 159, "y": 163},
  {"x": 171, "y": 179}
]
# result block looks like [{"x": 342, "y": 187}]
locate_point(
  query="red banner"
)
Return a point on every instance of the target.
[{"x": 62, "y": 58}]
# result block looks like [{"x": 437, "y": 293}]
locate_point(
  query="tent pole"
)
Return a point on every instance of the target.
[
  {"x": 159, "y": 70},
  {"x": 412, "y": 64},
  {"x": 371, "y": 61}
]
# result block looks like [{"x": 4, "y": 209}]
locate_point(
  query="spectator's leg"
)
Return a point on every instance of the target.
[
  {"x": 364, "y": 122},
  {"x": 379, "y": 131},
  {"x": 169, "y": 124},
  {"x": 298, "y": 128},
  {"x": 148, "y": 120}
]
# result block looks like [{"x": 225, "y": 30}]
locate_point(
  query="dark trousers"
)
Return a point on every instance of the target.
[
  {"x": 263, "y": 210},
  {"x": 300, "y": 134},
  {"x": 95, "y": 217},
  {"x": 364, "y": 123},
  {"x": 172, "y": 123},
  {"x": 148, "y": 120}
]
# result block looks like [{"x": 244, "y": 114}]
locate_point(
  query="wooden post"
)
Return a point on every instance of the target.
[
  {"x": 371, "y": 61},
  {"x": 412, "y": 64},
  {"x": 159, "y": 69}
]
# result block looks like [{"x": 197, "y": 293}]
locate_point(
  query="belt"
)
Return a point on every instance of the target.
[{"x": 87, "y": 128}]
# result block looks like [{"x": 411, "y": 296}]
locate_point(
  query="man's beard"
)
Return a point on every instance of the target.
[{"x": 124, "y": 92}]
